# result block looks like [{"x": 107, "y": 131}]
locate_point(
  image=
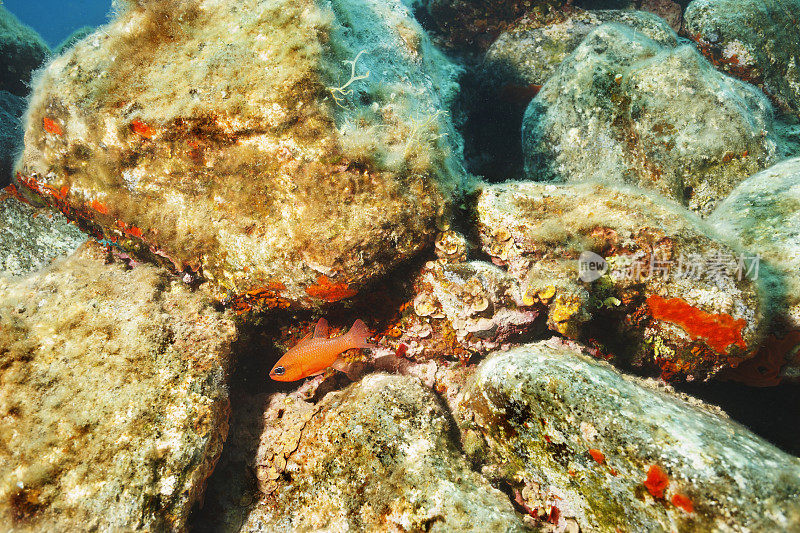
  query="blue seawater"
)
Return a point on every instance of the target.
[{"x": 55, "y": 20}]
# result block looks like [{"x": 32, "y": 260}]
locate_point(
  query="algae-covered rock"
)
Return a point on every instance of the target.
[
  {"x": 639, "y": 274},
  {"x": 529, "y": 52},
  {"x": 113, "y": 397},
  {"x": 461, "y": 309},
  {"x": 754, "y": 40},
  {"x": 671, "y": 12},
  {"x": 31, "y": 238},
  {"x": 11, "y": 109},
  {"x": 474, "y": 24},
  {"x": 622, "y": 108},
  {"x": 763, "y": 214},
  {"x": 377, "y": 456},
  {"x": 514, "y": 68},
  {"x": 620, "y": 454},
  {"x": 22, "y": 51},
  {"x": 72, "y": 38},
  {"x": 286, "y": 151}
]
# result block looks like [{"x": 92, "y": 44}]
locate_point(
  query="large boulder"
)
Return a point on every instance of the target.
[
  {"x": 622, "y": 108},
  {"x": 528, "y": 52},
  {"x": 515, "y": 67},
  {"x": 754, "y": 40},
  {"x": 31, "y": 238},
  {"x": 378, "y": 456},
  {"x": 113, "y": 396},
  {"x": 763, "y": 214},
  {"x": 22, "y": 51},
  {"x": 578, "y": 442},
  {"x": 638, "y": 274},
  {"x": 287, "y": 152},
  {"x": 12, "y": 107}
]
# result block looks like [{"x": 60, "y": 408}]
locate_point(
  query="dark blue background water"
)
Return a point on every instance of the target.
[{"x": 55, "y": 20}]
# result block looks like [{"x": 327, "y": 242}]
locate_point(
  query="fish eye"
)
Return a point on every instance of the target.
[{"x": 279, "y": 371}]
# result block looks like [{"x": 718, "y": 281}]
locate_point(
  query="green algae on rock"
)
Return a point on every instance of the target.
[
  {"x": 516, "y": 65},
  {"x": 753, "y": 40},
  {"x": 529, "y": 52},
  {"x": 113, "y": 396},
  {"x": 622, "y": 108},
  {"x": 286, "y": 151},
  {"x": 378, "y": 455},
  {"x": 31, "y": 238},
  {"x": 22, "y": 51},
  {"x": 650, "y": 250},
  {"x": 12, "y": 107},
  {"x": 72, "y": 38},
  {"x": 763, "y": 215},
  {"x": 564, "y": 428}
]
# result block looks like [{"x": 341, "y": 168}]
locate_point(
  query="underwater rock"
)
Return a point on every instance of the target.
[
  {"x": 12, "y": 108},
  {"x": 458, "y": 310},
  {"x": 472, "y": 25},
  {"x": 22, "y": 51},
  {"x": 529, "y": 52},
  {"x": 622, "y": 108},
  {"x": 513, "y": 70},
  {"x": 615, "y": 453},
  {"x": 72, "y": 38},
  {"x": 671, "y": 12},
  {"x": 114, "y": 403},
  {"x": 378, "y": 455},
  {"x": 31, "y": 238},
  {"x": 763, "y": 215},
  {"x": 634, "y": 274},
  {"x": 286, "y": 151},
  {"x": 753, "y": 40}
]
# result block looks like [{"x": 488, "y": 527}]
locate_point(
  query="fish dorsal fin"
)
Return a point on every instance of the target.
[
  {"x": 321, "y": 329},
  {"x": 304, "y": 339}
]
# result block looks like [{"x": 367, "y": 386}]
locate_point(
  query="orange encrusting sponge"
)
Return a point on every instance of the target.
[{"x": 719, "y": 331}]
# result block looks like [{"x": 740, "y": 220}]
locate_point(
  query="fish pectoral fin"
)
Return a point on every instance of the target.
[
  {"x": 321, "y": 329},
  {"x": 341, "y": 365}
]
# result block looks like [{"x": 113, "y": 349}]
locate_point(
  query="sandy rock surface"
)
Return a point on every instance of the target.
[{"x": 113, "y": 396}]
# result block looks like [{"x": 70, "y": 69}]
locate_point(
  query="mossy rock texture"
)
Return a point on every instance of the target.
[
  {"x": 570, "y": 432},
  {"x": 31, "y": 238},
  {"x": 513, "y": 69},
  {"x": 755, "y": 40},
  {"x": 763, "y": 214},
  {"x": 22, "y": 51},
  {"x": 12, "y": 108},
  {"x": 623, "y": 108},
  {"x": 377, "y": 456},
  {"x": 113, "y": 397},
  {"x": 288, "y": 152},
  {"x": 664, "y": 291}
]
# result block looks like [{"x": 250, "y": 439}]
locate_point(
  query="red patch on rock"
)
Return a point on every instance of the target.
[
  {"x": 326, "y": 290},
  {"x": 51, "y": 126},
  {"x": 718, "y": 331},
  {"x": 143, "y": 129},
  {"x": 99, "y": 207},
  {"x": 597, "y": 455},
  {"x": 679, "y": 500},
  {"x": 657, "y": 481}
]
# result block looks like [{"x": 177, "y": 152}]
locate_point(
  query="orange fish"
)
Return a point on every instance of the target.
[{"x": 312, "y": 355}]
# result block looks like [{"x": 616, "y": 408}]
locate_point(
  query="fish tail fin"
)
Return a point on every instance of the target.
[{"x": 359, "y": 335}]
